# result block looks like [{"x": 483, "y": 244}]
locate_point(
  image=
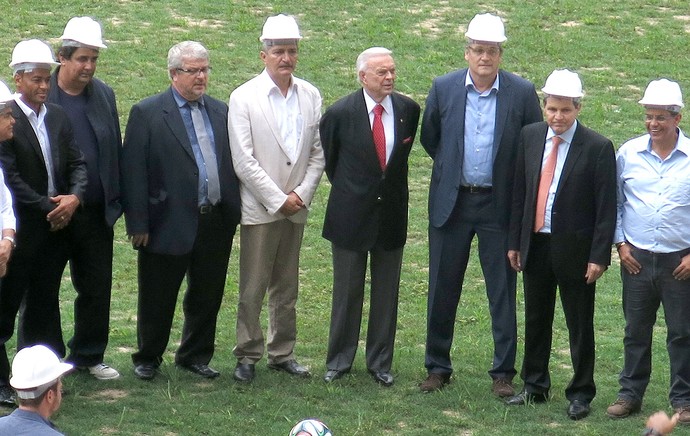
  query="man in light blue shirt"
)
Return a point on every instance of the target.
[{"x": 653, "y": 242}]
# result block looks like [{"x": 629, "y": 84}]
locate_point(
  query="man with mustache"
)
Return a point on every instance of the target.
[
  {"x": 274, "y": 137},
  {"x": 46, "y": 174}
]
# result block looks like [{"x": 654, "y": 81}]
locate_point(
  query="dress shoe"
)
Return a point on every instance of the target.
[
  {"x": 524, "y": 398},
  {"x": 291, "y": 367},
  {"x": 200, "y": 369},
  {"x": 434, "y": 382},
  {"x": 383, "y": 378},
  {"x": 502, "y": 387},
  {"x": 578, "y": 409},
  {"x": 8, "y": 398},
  {"x": 683, "y": 414},
  {"x": 622, "y": 408},
  {"x": 145, "y": 371},
  {"x": 244, "y": 372},
  {"x": 334, "y": 374}
]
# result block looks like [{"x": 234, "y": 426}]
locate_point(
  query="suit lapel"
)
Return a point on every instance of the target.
[
  {"x": 459, "y": 113},
  {"x": 503, "y": 98},
  {"x": 363, "y": 125},
  {"x": 400, "y": 118},
  {"x": 573, "y": 155},
  {"x": 265, "y": 106},
  {"x": 534, "y": 155},
  {"x": 171, "y": 114}
]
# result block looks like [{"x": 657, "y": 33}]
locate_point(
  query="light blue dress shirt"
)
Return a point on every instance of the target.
[
  {"x": 480, "y": 124},
  {"x": 654, "y": 196}
]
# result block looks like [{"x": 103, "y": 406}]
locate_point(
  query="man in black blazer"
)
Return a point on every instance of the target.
[
  {"x": 366, "y": 214},
  {"x": 46, "y": 174},
  {"x": 470, "y": 128},
  {"x": 181, "y": 203},
  {"x": 90, "y": 105},
  {"x": 561, "y": 230}
]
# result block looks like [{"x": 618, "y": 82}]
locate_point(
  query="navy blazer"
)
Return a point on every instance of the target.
[
  {"x": 442, "y": 136},
  {"x": 105, "y": 122},
  {"x": 583, "y": 216},
  {"x": 25, "y": 170},
  {"x": 366, "y": 205},
  {"x": 160, "y": 176}
]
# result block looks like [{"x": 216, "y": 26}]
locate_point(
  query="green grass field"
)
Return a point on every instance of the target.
[{"x": 616, "y": 47}]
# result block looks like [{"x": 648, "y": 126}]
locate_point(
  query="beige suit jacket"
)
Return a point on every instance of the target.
[{"x": 266, "y": 173}]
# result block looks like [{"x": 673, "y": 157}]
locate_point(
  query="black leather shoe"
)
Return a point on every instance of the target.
[
  {"x": 578, "y": 409},
  {"x": 525, "y": 398},
  {"x": 8, "y": 398},
  {"x": 383, "y": 378},
  {"x": 334, "y": 374},
  {"x": 200, "y": 369},
  {"x": 145, "y": 371},
  {"x": 291, "y": 367},
  {"x": 244, "y": 372}
]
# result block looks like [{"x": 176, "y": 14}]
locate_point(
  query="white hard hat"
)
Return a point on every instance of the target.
[
  {"x": 5, "y": 95},
  {"x": 486, "y": 27},
  {"x": 82, "y": 32},
  {"x": 280, "y": 27},
  {"x": 662, "y": 92},
  {"x": 35, "y": 369},
  {"x": 30, "y": 54},
  {"x": 563, "y": 83}
]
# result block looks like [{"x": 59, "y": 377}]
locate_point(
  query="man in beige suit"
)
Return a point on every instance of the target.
[{"x": 277, "y": 155}]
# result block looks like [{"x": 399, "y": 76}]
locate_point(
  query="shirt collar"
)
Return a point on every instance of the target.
[
  {"x": 28, "y": 111},
  {"x": 566, "y": 136},
  {"x": 470, "y": 83},
  {"x": 682, "y": 144},
  {"x": 387, "y": 103},
  {"x": 181, "y": 101},
  {"x": 268, "y": 85}
]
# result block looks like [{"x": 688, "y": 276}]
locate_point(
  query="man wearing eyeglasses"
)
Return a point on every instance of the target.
[
  {"x": 181, "y": 203},
  {"x": 653, "y": 242},
  {"x": 470, "y": 129}
]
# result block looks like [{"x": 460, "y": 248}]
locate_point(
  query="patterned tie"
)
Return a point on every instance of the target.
[
  {"x": 545, "y": 183},
  {"x": 207, "y": 152},
  {"x": 379, "y": 136}
]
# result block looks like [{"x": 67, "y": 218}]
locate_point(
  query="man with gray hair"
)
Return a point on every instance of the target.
[
  {"x": 274, "y": 136},
  {"x": 181, "y": 204},
  {"x": 91, "y": 108},
  {"x": 653, "y": 242},
  {"x": 367, "y": 137}
]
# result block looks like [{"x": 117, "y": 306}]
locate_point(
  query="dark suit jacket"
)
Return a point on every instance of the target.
[
  {"x": 366, "y": 205},
  {"x": 25, "y": 170},
  {"x": 583, "y": 217},
  {"x": 104, "y": 120},
  {"x": 443, "y": 129},
  {"x": 160, "y": 176}
]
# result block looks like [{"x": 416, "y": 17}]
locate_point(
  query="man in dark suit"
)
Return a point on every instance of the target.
[
  {"x": 91, "y": 108},
  {"x": 367, "y": 211},
  {"x": 46, "y": 174},
  {"x": 561, "y": 229},
  {"x": 470, "y": 128},
  {"x": 181, "y": 203}
]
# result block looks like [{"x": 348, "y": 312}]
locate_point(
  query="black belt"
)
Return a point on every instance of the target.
[
  {"x": 203, "y": 210},
  {"x": 472, "y": 189}
]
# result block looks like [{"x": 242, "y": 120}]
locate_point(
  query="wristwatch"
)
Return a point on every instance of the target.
[
  {"x": 12, "y": 241},
  {"x": 620, "y": 244}
]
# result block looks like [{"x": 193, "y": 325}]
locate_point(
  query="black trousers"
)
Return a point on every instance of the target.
[{"x": 160, "y": 278}]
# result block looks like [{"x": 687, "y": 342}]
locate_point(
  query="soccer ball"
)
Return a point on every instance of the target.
[{"x": 310, "y": 427}]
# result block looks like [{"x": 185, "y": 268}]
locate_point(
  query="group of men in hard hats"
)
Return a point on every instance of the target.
[{"x": 545, "y": 198}]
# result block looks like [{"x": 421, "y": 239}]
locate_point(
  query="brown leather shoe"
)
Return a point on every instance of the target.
[
  {"x": 683, "y": 414},
  {"x": 502, "y": 387},
  {"x": 434, "y": 382},
  {"x": 622, "y": 408}
]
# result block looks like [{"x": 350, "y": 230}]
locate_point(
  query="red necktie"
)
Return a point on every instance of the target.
[
  {"x": 545, "y": 183},
  {"x": 379, "y": 136}
]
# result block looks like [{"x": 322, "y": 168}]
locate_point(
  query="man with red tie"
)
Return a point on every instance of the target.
[
  {"x": 561, "y": 230},
  {"x": 366, "y": 138}
]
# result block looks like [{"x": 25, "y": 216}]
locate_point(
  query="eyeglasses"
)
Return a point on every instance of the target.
[
  {"x": 195, "y": 71},
  {"x": 481, "y": 51},
  {"x": 657, "y": 118}
]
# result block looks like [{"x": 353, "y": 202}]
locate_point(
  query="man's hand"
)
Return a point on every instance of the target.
[
  {"x": 5, "y": 252},
  {"x": 139, "y": 239},
  {"x": 292, "y": 205},
  {"x": 60, "y": 217},
  {"x": 627, "y": 260},
  {"x": 594, "y": 271},
  {"x": 682, "y": 271},
  {"x": 514, "y": 258}
]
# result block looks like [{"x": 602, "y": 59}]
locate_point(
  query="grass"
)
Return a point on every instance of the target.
[{"x": 616, "y": 47}]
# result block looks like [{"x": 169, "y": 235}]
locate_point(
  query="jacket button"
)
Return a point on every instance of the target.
[{"x": 289, "y": 163}]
